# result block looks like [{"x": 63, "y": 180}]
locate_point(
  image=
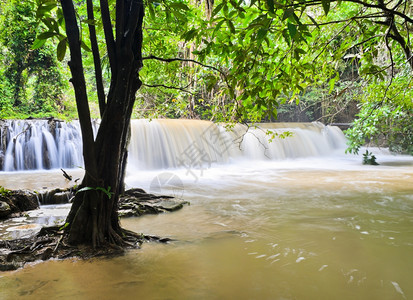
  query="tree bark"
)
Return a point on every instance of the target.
[
  {"x": 96, "y": 59},
  {"x": 93, "y": 218}
]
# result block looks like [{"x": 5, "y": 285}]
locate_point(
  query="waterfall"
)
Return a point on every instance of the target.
[
  {"x": 188, "y": 143},
  {"x": 39, "y": 144},
  {"x": 161, "y": 144}
]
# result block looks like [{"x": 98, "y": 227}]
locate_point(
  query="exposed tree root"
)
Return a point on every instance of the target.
[
  {"x": 55, "y": 242},
  {"x": 51, "y": 242}
]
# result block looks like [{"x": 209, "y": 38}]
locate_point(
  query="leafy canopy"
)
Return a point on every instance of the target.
[{"x": 242, "y": 60}]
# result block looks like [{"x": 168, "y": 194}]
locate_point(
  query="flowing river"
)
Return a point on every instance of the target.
[{"x": 313, "y": 227}]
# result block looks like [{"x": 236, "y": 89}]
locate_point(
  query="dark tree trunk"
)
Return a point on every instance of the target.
[
  {"x": 93, "y": 218},
  {"x": 96, "y": 59}
]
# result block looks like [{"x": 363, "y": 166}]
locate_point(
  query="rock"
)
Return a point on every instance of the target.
[
  {"x": 124, "y": 213},
  {"x": 5, "y": 209},
  {"x": 10, "y": 266},
  {"x": 136, "y": 202},
  {"x": 61, "y": 198},
  {"x": 56, "y": 196},
  {"x": 169, "y": 205},
  {"x": 24, "y": 200},
  {"x": 18, "y": 201},
  {"x": 46, "y": 253}
]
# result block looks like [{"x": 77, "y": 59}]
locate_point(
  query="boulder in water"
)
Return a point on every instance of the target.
[
  {"x": 18, "y": 201},
  {"x": 136, "y": 202},
  {"x": 56, "y": 196},
  {"x": 5, "y": 209}
]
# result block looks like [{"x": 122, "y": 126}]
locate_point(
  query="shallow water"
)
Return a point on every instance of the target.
[{"x": 301, "y": 229}]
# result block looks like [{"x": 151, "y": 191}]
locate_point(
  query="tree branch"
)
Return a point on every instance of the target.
[
  {"x": 96, "y": 58},
  {"x": 390, "y": 53},
  {"x": 169, "y": 87},
  {"x": 168, "y": 60},
  {"x": 365, "y": 41},
  {"x": 370, "y": 16},
  {"x": 79, "y": 85},
  {"x": 383, "y": 8},
  {"x": 380, "y": 6},
  {"x": 332, "y": 39},
  {"x": 107, "y": 27}
]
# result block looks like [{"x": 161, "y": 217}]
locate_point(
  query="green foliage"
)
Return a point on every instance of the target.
[
  {"x": 324, "y": 56},
  {"x": 32, "y": 82},
  {"x": 259, "y": 58},
  {"x": 101, "y": 189},
  {"x": 4, "y": 192},
  {"x": 369, "y": 159},
  {"x": 66, "y": 225},
  {"x": 386, "y": 116},
  {"x": 273, "y": 135}
]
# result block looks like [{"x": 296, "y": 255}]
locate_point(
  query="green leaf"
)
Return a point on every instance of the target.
[
  {"x": 225, "y": 9},
  {"x": 270, "y": 4},
  {"x": 314, "y": 21},
  {"x": 218, "y": 26},
  {"x": 180, "y": 6},
  {"x": 42, "y": 10},
  {"x": 332, "y": 83},
  {"x": 286, "y": 36},
  {"x": 46, "y": 35},
  {"x": 37, "y": 44},
  {"x": 151, "y": 11},
  {"x": 326, "y": 6},
  {"x": 85, "y": 189},
  {"x": 61, "y": 49},
  {"x": 248, "y": 33},
  {"x": 85, "y": 47},
  {"x": 296, "y": 55},
  {"x": 106, "y": 191},
  {"x": 289, "y": 12},
  {"x": 189, "y": 35},
  {"x": 300, "y": 51},
  {"x": 292, "y": 29},
  {"x": 64, "y": 226},
  {"x": 51, "y": 24},
  {"x": 261, "y": 34},
  {"x": 217, "y": 9},
  {"x": 231, "y": 26},
  {"x": 179, "y": 15}
]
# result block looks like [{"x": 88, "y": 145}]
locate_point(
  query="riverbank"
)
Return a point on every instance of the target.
[{"x": 43, "y": 243}]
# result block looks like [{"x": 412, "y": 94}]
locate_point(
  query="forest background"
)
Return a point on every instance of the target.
[{"x": 334, "y": 62}]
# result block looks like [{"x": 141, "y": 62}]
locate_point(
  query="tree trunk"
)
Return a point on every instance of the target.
[{"x": 93, "y": 218}]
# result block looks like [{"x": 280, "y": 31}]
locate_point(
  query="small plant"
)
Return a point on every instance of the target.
[
  {"x": 369, "y": 159},
  {"x": 88, "y": 188},
  {"x": 272, "y": 135},
  {"x": 4, "y": 191},
  {"x": 64, "y": 226}
]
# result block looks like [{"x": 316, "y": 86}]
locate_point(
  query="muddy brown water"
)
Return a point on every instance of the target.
[{"x": 302, "y": 229}]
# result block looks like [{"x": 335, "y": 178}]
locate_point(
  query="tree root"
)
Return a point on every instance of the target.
[
  {"x": 57, "y": 242},
  {"x": 50, "y": 242}
]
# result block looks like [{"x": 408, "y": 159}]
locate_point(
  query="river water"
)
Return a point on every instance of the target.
[
  {"x": 294, "y": 218},
  {"x": 310, "y": 228}
]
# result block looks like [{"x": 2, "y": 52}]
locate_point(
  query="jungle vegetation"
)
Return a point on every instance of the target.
[
  {"x": 230, "y": 61},
  {"x": 361, "y": 65}
]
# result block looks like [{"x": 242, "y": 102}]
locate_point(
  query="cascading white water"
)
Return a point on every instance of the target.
[
  {"x": 37, "y": 144},
  {"x": 160, "y": 144},
  {"x": 188, "y": 143}
]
